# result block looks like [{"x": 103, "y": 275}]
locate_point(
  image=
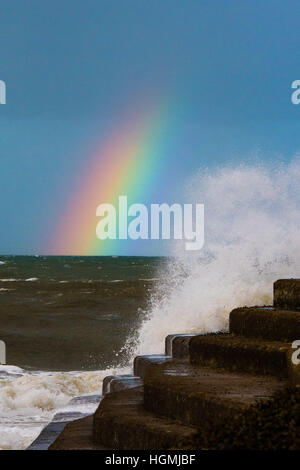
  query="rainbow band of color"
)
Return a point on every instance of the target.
[{"x": 130, "y": 163}]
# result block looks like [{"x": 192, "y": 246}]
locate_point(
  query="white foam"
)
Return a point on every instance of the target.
[
  {"x": 252, "y": 227},
  {"x": 8, "y": 369},
  {"x": 2, "y": 262},
  {"x": 32, "y": 279},
  {"x": 18, "y": 436},
  {"x": 28, "y": 400}
]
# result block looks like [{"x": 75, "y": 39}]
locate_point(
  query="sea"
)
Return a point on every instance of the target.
[{"x": 67, "y": 322}]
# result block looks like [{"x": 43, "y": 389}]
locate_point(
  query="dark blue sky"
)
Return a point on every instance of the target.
[{"x": 70, "y": 66}]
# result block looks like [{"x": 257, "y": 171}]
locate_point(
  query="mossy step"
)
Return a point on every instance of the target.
[
  {"x": 122, "y": 423},
  {"x": 201, "y": 396},
  {"x": 287, "y": 294},
  {"x": 77, "y": 435},
  {"x": 237, "y": 353},
  {"x": 265, "y": 322}
]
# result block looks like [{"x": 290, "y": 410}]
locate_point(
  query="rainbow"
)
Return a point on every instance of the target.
[{"x": 130, "y": 162}]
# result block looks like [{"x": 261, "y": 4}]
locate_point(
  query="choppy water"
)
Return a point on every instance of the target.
[{"x": 65, "y": 321}]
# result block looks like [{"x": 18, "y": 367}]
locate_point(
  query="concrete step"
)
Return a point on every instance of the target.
[
  {"x": 265, "y": 322},
  {"x": 287, "y": 294},
  {"x": 237, "y": 353},
  {"x": 122, "y": 423},
  {"x": 140, "y": 363},
  {"x": 48, "y": 436},
  {"x": 77, "y": 435},
  {"x": 115, "y": 383},
  {"x": 201, "y": 396},
  {"x": 177, "y": 345},
  {"x": 75, "y": 409}
]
